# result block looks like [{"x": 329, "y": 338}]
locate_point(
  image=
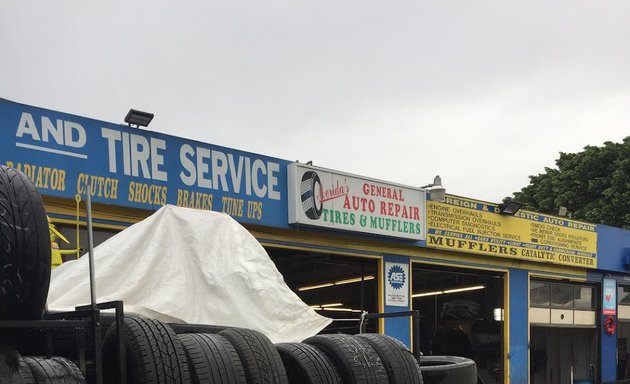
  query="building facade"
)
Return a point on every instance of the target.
[{"x": 530, "y": 297}]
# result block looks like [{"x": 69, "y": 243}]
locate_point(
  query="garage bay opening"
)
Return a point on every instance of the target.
[
  {"x": 336, "y": 286},
  {"x": 563, "y": 333},
  {"x": 461, "y": 314}
]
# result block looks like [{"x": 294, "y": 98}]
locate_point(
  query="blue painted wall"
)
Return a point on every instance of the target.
[
  {"x": 519, "y": 326},
  {"x": 608, "y": 359},
  {"x": 613, "y": 245}
]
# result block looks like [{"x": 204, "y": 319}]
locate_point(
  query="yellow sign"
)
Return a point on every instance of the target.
[{"x": 470, "y": 226}]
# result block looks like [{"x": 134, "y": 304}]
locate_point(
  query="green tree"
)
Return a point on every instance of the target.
[{"x": 594, "y": 185}]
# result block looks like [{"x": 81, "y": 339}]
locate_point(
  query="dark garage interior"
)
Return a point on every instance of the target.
[
  {"x": 461, "y": 314},
  {"x": 336, "y": 286}
]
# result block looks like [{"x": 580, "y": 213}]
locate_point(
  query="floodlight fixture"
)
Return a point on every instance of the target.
[
  {"x": 138, "y": 118},
  {"x": 437, "y": 192},
  {"x": 509, "y": 206}
]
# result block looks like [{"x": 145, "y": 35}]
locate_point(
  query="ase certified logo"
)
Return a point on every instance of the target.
[{"x": 396, "y": 277}]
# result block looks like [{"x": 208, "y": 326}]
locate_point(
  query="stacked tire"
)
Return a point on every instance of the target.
[
  {"x": 400, "y": 364},
  {"x": 24, "y": 248},
  {"x": 55, "y": 369},
  {"x": 212, "y": 359},
  {"x": 448, "y": 369},
  {"x": 337, "y": 359},
  {"x": 306, "y": 364},
  {"x": 369, "y": 358},
  {"x": 261, "y": 361},
  {"x": 154, "y": 354},
  {"x": 25, "y": 277},
  {"x": 233, "y": 356},
  {"x": 16, "y": 369},
  {"x": 355, "y": 359},
  {"x": 13, "y": 368}
]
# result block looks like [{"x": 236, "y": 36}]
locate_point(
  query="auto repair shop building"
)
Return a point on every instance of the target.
[{"x": 530, "y": 297}]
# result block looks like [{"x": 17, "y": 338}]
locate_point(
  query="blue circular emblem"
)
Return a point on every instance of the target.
[{"x": 396, "y": 277}]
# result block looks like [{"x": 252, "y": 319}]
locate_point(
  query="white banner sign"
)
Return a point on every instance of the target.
[
  {"x": 330, "y": 199},
  {"x": 397, "y": 284}
]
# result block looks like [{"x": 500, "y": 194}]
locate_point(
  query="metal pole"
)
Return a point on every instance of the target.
[
  {"x": 77, "y": 198},
  {"x": 91, "y": 246},
  {"x": 415, "y": 318}
]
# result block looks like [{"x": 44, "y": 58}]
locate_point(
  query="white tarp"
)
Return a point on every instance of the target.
[{"x": 186, "y": 265}]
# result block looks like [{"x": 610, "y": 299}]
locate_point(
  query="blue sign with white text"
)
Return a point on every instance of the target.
[
  {"x": 131, "y": 167},
  {"x": 609, "y": 302}
]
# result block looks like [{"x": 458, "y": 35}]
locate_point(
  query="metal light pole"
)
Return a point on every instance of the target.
[{"x": 91, "y": 246}]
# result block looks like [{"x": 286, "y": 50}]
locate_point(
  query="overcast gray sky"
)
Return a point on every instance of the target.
[{"x": 483, "y": 93}]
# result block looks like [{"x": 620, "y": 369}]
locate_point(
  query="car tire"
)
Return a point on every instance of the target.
[
  {"x": 24, "y": 248},
  {"x": 308, "y": 186},
  {"x": 54, "y": 370},
  {"x": 13, "y": 368},
  {"x": 154, "y": 354},
  {"x": 400, "y": 364},
  {"x": 356, "y": 360},
  {"x": 261, "y": 361},
  {"x": 212, "y": 359},
  {"x": 448, "y": 370},
  {"x": 307, "y": 364}
]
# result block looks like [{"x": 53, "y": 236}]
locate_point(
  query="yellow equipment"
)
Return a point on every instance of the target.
[{"x": 55, "y": 252}]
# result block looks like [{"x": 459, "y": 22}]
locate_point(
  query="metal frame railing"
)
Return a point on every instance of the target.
[{"x": 86, "y": 317}]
